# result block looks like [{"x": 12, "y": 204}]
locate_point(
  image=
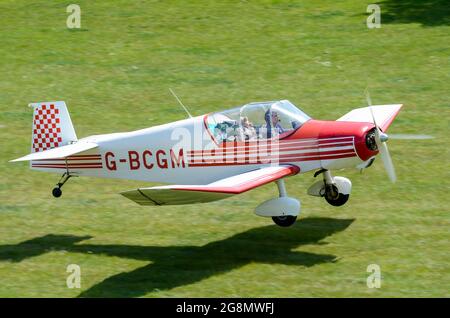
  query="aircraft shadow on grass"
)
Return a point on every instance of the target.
[
  {"x": 174, "y": 266},
  {"x": 425, "y": 12}
]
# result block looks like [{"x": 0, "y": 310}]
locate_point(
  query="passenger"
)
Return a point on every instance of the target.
[{"x": 248, "y": 132}]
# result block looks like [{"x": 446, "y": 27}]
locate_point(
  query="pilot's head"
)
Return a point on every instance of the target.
[{"x": 275, "y": 118}]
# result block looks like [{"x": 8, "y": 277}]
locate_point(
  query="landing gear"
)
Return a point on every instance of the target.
[
  {"x": 332, "y": 194},
  {"x": 57, "y": 192},
  {"x": 284, "y": 221},
  {"x": 283, "y": 210},
  {"x": 335, "y": 190},
  {"x": 333, "y": 197}
]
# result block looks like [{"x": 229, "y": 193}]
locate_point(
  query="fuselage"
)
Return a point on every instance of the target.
[{"x": 186, "y": 152}]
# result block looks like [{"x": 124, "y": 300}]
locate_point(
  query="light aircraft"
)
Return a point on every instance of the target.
[{"x": 218, "y": 155}]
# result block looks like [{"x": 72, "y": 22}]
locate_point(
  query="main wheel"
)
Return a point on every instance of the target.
[
  {"x": 285, "y": 220},
  {"x": 339, "y": 200},
  {"x": 334, "y": 197},
  {"x": 56, "y": 192}
]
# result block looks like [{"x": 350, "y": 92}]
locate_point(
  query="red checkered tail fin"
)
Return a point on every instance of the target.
[
  {"x": 53, "y": 136},
  {"x": 52, "y": 126}
]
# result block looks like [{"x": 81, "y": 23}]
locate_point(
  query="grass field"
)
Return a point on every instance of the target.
[{"x": 114, "y": 73}]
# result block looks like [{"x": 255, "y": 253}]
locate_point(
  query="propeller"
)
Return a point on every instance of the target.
[
  {"x": 409, "y": 137},
  {"x": 381, "y": 139}
]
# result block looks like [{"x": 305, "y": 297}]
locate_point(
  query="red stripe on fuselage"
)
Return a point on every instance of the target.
[
  {"x": 61, "y": 165},
  {"x": 264, "y": 156},
  {"x": 290, "y": 160},
  {"x": 71, "y": 159},
  {"x": 219, "y": 152},
  {"x": 64, "y": 166},
  {"x": 250, "y": 145}
]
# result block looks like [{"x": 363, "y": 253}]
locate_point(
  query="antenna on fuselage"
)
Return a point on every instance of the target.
[{"x": 179, "y": 101}]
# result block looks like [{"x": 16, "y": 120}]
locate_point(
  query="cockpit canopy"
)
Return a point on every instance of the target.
[{"x": 256, "y": 121}]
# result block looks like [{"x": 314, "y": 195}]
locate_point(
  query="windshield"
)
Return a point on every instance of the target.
[{"x": 254, "y": 121}]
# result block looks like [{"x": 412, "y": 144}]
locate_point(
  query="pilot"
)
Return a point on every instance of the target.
[
  {"x": 276, "y": 122},
  {"x": 273, "y": 123}
]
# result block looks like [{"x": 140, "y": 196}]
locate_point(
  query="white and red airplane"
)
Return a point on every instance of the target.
[{"x": 218, "y": 155}]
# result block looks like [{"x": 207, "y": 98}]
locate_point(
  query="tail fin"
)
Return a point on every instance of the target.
[{"x": 52, "y": 126}]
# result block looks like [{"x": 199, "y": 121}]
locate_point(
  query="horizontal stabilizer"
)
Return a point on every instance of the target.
[
  {"x": 60, "y": 152},
  {"x": 384, "y": 115},
  {"x": 221, "y": 189}
]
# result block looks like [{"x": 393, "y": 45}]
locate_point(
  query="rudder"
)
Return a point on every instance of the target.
[{"x": 52, "y": 126}]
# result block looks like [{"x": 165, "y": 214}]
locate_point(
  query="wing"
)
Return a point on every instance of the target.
[
  {"x": 384, "y": 115},
  {"x": 60, "y": 152},
  {"x": 221, "y": 189}
]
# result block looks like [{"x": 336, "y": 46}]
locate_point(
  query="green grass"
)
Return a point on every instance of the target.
[{"x": 114, "y": 74}]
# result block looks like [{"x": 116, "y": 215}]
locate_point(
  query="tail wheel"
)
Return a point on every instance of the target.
[
  {"x": 57, "y": 192},
  {"x": 285, "y": 220}
]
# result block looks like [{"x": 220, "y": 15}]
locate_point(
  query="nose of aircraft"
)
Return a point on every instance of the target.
[{"x": 362, "y": 132}]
